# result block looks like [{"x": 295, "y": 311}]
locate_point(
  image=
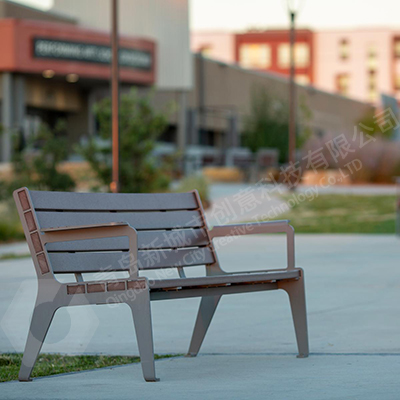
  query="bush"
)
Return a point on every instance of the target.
[
  {"x": 198, "y": 182},
  {"x": 379, "y": 158},
  {"x": 267, "y": 126},
  {"x": 10, "y": 225},
  {"x": 36, "y": 163},
  {"x": 140, "y": 126}
]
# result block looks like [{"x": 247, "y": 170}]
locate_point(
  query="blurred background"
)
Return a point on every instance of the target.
[{"x": 287, "y": 93}]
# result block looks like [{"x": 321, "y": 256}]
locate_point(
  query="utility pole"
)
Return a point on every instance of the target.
[
  {"x": 292, "y": 92},
  {"x": 114, "y": 186}
]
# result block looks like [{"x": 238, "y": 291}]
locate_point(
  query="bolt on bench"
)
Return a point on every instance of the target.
[{"x": 77, "y": 233}]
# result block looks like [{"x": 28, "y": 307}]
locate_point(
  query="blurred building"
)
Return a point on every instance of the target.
[
  {"x": 221, "y": 99},
  {"x": 56, "y": 64},
  {"x": 270, "y": 51},
  {"x": 360, "y": 63},
  {"x": 217, "y": 45}
]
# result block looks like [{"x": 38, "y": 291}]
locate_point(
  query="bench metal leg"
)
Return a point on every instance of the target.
[
  {"x": 296, "y": 292},
  {"x": 41, "y": 320},
  {"x": 141, "y": 312},
  {"x": 208, "y": 305}
]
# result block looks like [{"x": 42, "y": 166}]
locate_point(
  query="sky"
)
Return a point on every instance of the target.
[{"x": 236, "y": 15}]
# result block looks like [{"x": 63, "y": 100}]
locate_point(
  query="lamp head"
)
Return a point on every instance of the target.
[{"x": 294, "y": 6}]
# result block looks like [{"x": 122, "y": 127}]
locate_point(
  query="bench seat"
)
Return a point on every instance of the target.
[{"x": 247, "y": 278}]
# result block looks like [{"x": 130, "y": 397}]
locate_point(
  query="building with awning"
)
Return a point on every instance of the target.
[{"x": 56, "y": 65}]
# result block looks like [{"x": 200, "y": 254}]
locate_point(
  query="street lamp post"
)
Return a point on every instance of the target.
[
  {"x": 115, "y": 97},
  {"x": 292, "y": 93},
  {"x": 293, "y": 7}
]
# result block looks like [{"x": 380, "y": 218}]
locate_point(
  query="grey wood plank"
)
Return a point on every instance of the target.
[
  {"x": 262, "y": 276},
  {"x": 138, "y": 220},
  {"x": 146, "y": 240},
  {"x": 108, "y": 201},
  {"x": 175, "y": 258},
  {"x": 119, "y": 261}
]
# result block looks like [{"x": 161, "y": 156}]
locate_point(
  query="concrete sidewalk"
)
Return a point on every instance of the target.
[
  {"x": 15, "y": 249},
  {"x": 231, "y": 203},
  {"x": 218, "y": 377},
  {"x": 353, "y": 295}
]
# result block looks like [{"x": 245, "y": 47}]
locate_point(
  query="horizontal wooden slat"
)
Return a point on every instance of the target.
[
  {"x": 172, "y": 239},
  {"x": 138, "y": 220},
  {"x": 146, "y": 240},
  {"x": 110, "y": 201},
  {"x": 148, "y": 259},
  {"x": 152, "y": 259},
  {"x": 226, "y": 279}
]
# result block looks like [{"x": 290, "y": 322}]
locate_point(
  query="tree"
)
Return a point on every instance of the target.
[
  {"x": 369, "y": 124},
  {"x": 35, "y": 162},
  {"x": 140, "y": 126},
  {"x": 267, "y": 125}
]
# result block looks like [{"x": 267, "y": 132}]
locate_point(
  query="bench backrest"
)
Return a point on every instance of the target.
[{"x": 171, "y": 230}]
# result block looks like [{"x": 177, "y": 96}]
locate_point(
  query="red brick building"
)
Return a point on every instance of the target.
[{"x": 270, "y": 51}]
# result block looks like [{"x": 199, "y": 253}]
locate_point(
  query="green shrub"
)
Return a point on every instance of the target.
[
  {"x": 10, "y": 225},
  {"x": 140, "y": 126},
  {"x": 36, "y": 164},
  {"x": 198, "y": 182},
  {"x": 267, "y": 125}
]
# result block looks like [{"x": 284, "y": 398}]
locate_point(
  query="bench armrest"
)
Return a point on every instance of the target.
[
  {"x": 252, "y": 228},
  {"x": 95, "y": 231}
]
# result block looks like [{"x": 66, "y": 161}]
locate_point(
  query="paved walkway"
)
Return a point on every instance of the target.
[
  {"x": 231, "y": 203},
  {"x": 259, "y": 376},
  {"x": 355, "y": 189},
  {"x": 353, "y": 294},
  {"x": 19, "y": 248}
]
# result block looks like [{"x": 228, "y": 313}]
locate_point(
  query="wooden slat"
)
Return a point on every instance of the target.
[
  {"x": 172, "y": 239},
  {"x": 146, "y": 240},
  {"x": 108, "y": 262},
  {"x": 107, "y": 201},
  {"x": 88, "y": 262},
  {"x": 226, "y": 279},
  {"x": 175, "y": 258},
  {"x": 138, "y": 220}
]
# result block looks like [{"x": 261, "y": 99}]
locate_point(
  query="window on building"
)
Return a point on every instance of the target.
[
  {"x": 397, "y": 47},
  {"x": 301, "y": 55},
  {"x": 342, "y": 84},
  {"x": 284, "y": 55},
  {"x": 344, "y": 49},
  {"x": 372, "y": 86},
  {"x": 302, "y": 79},
  {"x": 397, "y": 82},
  {"x": 255, "y": 56},
  {"x": 372, "y": 57}
]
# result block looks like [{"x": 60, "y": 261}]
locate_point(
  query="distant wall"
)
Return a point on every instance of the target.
[{"x": 230, "y": 87}]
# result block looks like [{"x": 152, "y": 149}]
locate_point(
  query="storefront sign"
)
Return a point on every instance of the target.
[{"x": 91, "y": 53}]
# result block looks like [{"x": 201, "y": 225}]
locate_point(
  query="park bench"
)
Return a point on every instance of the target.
[{"x": 80, "y": 233}]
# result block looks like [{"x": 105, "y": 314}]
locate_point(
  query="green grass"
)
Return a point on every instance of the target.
[
  {"x": 52, "y": 364},
  {"x": 12, "y": 256},
  {"x": 343, "y": 214},
  {"x": 10, "y": 225}
]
